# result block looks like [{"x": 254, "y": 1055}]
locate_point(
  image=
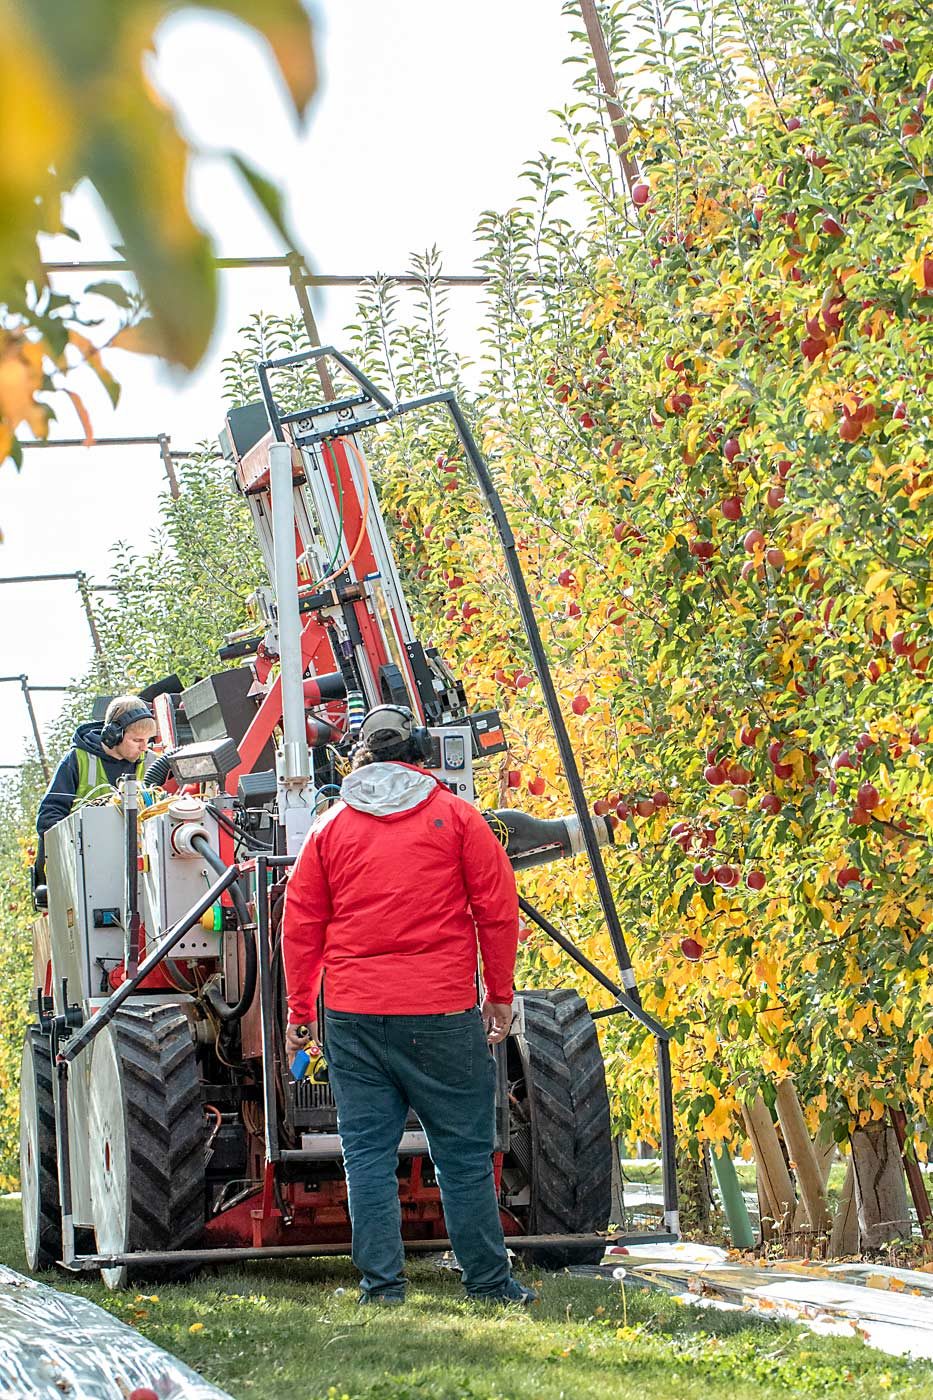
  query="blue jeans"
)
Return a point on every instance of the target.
[{"x": 440, "y": 1066}]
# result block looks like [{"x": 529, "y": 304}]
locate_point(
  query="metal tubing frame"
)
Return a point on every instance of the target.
[
  {"x": 79, "y": 1041},
  {"x": 238, "y": 1255},
  {"x": 627, "y": 997}
]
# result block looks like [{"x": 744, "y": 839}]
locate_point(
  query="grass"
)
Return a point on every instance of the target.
[{"x": 284, "y": 1332}]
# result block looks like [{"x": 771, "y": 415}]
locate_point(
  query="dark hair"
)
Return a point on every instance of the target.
[{"x": 397, "y": 751}]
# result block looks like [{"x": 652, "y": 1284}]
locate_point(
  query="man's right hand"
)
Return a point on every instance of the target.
[{"x": 302, "y": 1037}]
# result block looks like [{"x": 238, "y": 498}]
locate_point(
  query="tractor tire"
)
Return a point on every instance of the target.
[
  {"x": 38, "y": 1158},
  {"x": 146, "y": 1140},
  {"x": 568, "y": 1117}
]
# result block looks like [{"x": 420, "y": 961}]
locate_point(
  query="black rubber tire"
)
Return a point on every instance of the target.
[
  {"x": 571, "y": 1136},
  {"x": 42, "y": 1216},
  {"x": 148, "y": 1175}
]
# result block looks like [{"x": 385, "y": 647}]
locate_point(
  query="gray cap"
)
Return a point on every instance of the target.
[{"x": 387, "y": 724}]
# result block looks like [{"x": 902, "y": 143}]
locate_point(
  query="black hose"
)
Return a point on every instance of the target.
[{"x": 210, "y": 994}]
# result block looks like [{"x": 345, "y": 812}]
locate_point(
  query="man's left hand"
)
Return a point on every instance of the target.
[{"x": 497, "y": 1018}]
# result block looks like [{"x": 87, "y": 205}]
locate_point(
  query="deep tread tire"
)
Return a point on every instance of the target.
[
  {"x": 146, "y": 1139},
  {"x": 571, "y": 1137},
  {"x": 38, "y": 1162}
]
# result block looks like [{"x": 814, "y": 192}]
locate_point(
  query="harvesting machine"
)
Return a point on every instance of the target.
[{"x": 161, "y": 1127}]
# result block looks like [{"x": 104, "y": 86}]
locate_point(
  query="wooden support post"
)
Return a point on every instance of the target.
[
  {"x": 844, "y": 1237},
  {"x": 607, "y": 82},
  {"x": 772, "y": 1169},
  {"x": 800, "y": 1149}
]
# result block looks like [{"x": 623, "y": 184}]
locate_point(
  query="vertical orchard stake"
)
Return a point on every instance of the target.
[
  {"x": 607, "y": 82},
  {"x": 36, "y": 732},
  {"x": 169, "y": 466},
  {"x": 297, "y": 279}
]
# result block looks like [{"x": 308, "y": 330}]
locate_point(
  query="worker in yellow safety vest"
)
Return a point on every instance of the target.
[{"x": 101, "y": 754}]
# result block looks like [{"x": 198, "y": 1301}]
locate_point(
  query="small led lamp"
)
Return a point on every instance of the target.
[{"x": 207, "y": 762}]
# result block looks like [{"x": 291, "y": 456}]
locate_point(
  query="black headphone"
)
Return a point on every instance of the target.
[
  {"x": 419, "y": 737},
  {"x": 112, "y": 733}
]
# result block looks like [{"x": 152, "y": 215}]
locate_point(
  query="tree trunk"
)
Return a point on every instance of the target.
[
  {"x": 803, "y": 1157},
  {"x": 880, "y": 1190},
  {"x": 769, "y": 1160},
  {"x": 695, "y": 1191}
]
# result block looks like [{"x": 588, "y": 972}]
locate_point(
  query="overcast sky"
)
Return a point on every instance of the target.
[{"x": 425, "y": 115}]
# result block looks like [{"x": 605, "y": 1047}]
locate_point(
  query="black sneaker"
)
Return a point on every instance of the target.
[{"x": 513, "y": 1292}]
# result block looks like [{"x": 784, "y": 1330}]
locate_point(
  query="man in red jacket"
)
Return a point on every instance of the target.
[{"x": 393, "y": 890}]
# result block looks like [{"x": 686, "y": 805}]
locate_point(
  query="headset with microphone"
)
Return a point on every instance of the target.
[
  {"x": 389, "y": 726},
  {"x": 112, "y": 733}
]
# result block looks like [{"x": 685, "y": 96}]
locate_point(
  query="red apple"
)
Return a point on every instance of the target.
[
  {"x": 579, "y": 704},
  {"x": 783, "y": 468},
  {"x": 770, "y": 804},
  {"x": 867, "y": 797},
  {"x": 660, "y": 798},
  {"x": 755, "y": 880},
  {"x": 899, "y": 644},
  {"x": 572, "y": 609},
  {"x": 843, "y": 760},
  {"x": 691, "y": 949},
  {"x": 641, "y": 193},
  {"x": 748, "y": 734},
  {"x": 623, "y": 811},
  {"x": 715, "y": 774},
  {"x": 645, "y": 807},
  {"x": 702, "y": 549},
  {"x": 775, "y": 497},
  {"x": 726, "y": 875},
  {"x": 851, "y": 875},
  {"x": 521, "y": 680},
  {"x": 731, "y": 449},
  {"x": 514, "y": 778},
  {"x": 536, "y": 785},
  {"x": 783, "y": 771},
  {"x": 775, "y": 749},
  {"x": 752, "y": 541},
  {"x": 793, "y": 123},
  {"x": 732, "y": 507},
  {"x": 775, "y": 558},
  {"x": 702, "y": 875},
  {"x": 565, "y": 578}
]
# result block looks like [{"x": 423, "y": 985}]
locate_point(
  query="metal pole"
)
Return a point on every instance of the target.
[
  {"x": 668, "y": 1139},
  {"x": 297, "y": 277},
  {"x": 131, "y": 874},
  {"x": 169, "y": 466},
  {"x": 607, "y": 82},
  {"x": 84, "y": 591},
  {"x": 539, "y": 656},
  {"x": 35, "y": 729},
  {"x": 270, "y": 1068},
  {"x": 296, "y": 765}
]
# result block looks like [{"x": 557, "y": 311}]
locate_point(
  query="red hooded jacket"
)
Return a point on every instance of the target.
[{"x": 394, "y": 888}]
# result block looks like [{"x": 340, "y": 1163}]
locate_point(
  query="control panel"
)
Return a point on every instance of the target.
[{"x": 451, "y": 758}]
